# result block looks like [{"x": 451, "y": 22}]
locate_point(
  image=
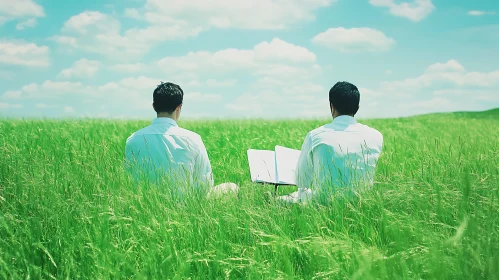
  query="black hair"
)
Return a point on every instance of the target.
[
  {"x": 167, "y": 97},
  {"x": 345, "y": 98}
]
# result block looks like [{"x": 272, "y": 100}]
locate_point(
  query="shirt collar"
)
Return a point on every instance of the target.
[
  {"x": 344, "y": 119},
  {"x": 164, "y": 121}
]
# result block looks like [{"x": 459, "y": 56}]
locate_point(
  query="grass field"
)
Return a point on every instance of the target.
[{"x": 67, "y": 210}]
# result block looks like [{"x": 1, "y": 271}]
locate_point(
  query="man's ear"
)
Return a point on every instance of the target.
[
  {"x": 153, "y": 107},
  {"x": 179, "y": 107}
]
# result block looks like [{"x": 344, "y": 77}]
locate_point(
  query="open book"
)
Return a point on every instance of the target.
[{"x": 274, "y": 167}]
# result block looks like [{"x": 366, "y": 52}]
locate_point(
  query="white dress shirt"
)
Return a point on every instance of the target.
[
  {"x": 339, "y": 156},
  {"x": 164, "y": 151}
]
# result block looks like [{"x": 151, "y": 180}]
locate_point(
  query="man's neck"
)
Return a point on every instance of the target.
[
  {"x": 166, "y": 115},
  {"x": 334, "y": 117}
]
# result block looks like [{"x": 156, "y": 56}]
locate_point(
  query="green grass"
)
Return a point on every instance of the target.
[{"x": 67, "y": 210}]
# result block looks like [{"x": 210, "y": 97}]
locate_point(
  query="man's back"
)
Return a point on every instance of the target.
[
  {"x": 342, "y": 154},
  {"x": 164, "y": 151}
]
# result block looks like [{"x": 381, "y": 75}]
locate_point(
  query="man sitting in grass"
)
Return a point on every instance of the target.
[
  {"x": 165, "y": 154},
  {"x": 338, "y": 158}
]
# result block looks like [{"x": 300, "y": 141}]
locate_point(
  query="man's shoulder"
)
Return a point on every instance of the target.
[
  {"x": 371, "y": 130},
  {"x": 372, "y": 134},
  {"x": 190, "y": 138},
  {"x": 187, "y": 137},
  {"x": 185, "y": 133},
  {"x": 322, "y": 131},
  {"x": 316, "y": 132},
  {"x": 173, "y": 131},
  {"x": 136, "y": 134}
]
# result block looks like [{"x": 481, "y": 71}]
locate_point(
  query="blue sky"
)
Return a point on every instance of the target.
[{"x": 247, "y": 59}]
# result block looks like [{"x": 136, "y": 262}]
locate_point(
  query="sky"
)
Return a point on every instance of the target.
[{"x": 247, "y": 59}]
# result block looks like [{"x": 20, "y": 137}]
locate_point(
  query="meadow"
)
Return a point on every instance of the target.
[{"x": 68, "y": 211}]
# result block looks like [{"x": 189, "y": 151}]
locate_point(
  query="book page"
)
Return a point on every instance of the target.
[
  {"x": 286, "y": 161},
  {"x": 262, "y": 166}
]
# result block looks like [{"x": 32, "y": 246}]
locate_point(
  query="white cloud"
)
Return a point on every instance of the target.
[
  {"x": 138, "y": 83},
  {"x": 46, "y": 90},
  {"x": 224, "y": 60},
  {"x": 283, "y": 71},
  {"x": 44, "y": 106},
  {"x": 449, "y": 66},
  {"x": 480, "y": 13},
  {"x": 21, "y": 8},
  {"x": 272, "y": 98},
  {"x": 59, "y": 87},
  {"x": 22, "y": 53},
  {"x": 132, "y": 13},
  {"x": 96, "y": 32},
  {"x": 65, "y": 40},
  {"x": 414, "y": 10},
  {"x": 194, "y": 81},
  {"x": 366, "y": 92},
  {"x": 470, "y": 97},
  {"x": 492, "y": 98},
  {"x": 29, "y": 23},
  {"x": 220, "y": 83},
  {"x": 278, "y": 51},
  {"x": 354, "y": 39},
  {"x": 278, "y": 70},
  {"x": 132, "y": 90},
  {"x": 451, "y": 73},
  {"x": 256, "y": 14},
  {"x": 82, "y": 68},
  {"x": 128, "y": 68},
  {"x": 169, "y": 20},
  {"x": 436, "y": 90},
  {"x": 91, "y": 21},
  {"x": 138, "y": 91},
  {"x": 202, "y": 97},
  {"x": 264, "y": 59},
  {"x": 436, "y": 103},
  {"x": 5, "y": 106},
  {"x": 484, "y": 94},
  {"x": 68, "y": 109},
  {"x": 13, "y": 94},
  {"x": 476, "y": 13}
]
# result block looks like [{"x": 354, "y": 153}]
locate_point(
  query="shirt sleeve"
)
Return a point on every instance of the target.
[
  {"x": 304, "y": 168},
  {"x": 204, "y": 175}
]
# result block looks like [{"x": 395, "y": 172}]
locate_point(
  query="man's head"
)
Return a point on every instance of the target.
[
  {"x": 344, "y": 99},
  {"x": 167, "y": 100}
]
